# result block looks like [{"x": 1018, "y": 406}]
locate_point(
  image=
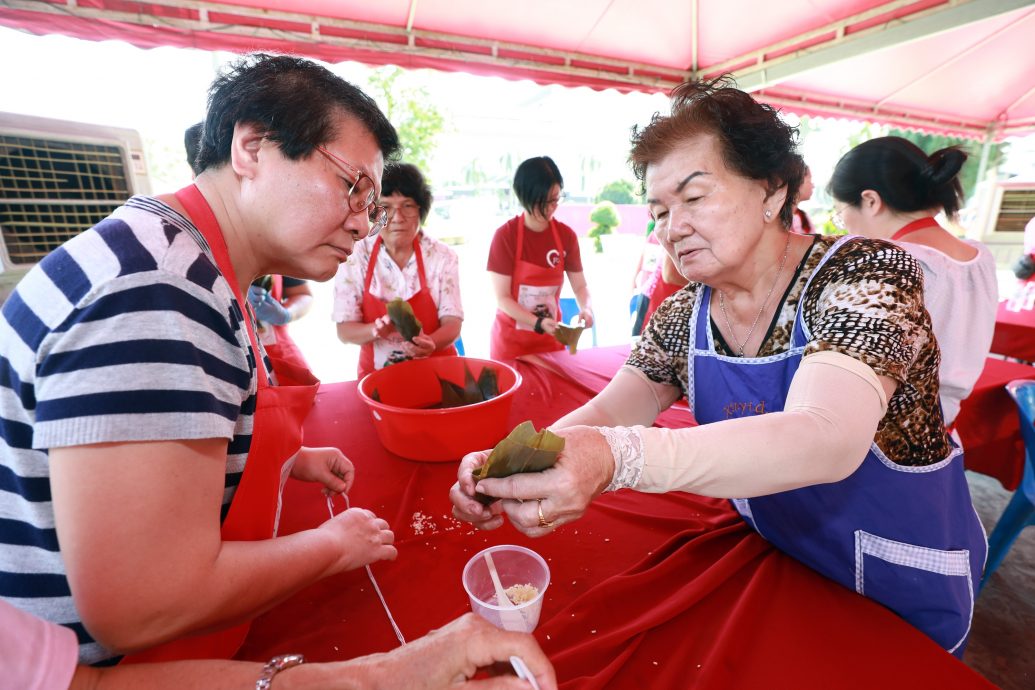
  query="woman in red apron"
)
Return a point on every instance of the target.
[
  {"x": 401, "y": 262},
  {"x": 527, "y": 261},
  {"x": 149, "y": 556}
]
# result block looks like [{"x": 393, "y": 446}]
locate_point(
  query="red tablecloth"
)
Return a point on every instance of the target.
[
  {"x": 1014, "y": 334},
  {"x": 647, "y": 591},
  {"x": 988, "y": 425},
  {"x": 987, "y": 421}
]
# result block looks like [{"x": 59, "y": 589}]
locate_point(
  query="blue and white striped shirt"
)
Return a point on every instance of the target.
[{"x": 127, "y": 332}]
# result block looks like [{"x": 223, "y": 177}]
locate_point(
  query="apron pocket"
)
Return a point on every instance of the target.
[{"x": 931, "y": 588}]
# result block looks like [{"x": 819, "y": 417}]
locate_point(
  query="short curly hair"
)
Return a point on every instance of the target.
[
  {"x": 406, "y": 180},
  {"x": 293, "y": 100},
  {"x": 755, "y": 142}
]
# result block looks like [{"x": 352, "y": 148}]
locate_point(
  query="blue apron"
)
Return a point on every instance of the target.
[{"x": 907, "y": 537}]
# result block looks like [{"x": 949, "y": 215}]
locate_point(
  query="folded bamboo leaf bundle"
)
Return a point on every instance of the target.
[
  {"x": 485, "y": 387},
  {"x": 403, "y": 318},
  {"x": 569, "y": 336},
  {"x": 523, "y": 450}
]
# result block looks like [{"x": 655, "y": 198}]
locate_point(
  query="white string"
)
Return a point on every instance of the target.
[{"x": 370, "y": 573}]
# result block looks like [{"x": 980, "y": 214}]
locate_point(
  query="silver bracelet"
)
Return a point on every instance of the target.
[{"x": 275, "y": 666}]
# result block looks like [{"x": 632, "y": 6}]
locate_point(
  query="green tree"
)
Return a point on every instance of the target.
[
  {"x": 410, "y": 110},
  {"x": 605, "y": 218},
  {"x": 618, "y": 192},
  {"x": 473, "y": 173}
]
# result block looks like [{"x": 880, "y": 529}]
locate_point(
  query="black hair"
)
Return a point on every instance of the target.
[
  {"x": 533, "y": 180},
  {"x": 406, "y": 179},
  {"x": 293, "y": 100},
  {"x": 906, "y": 178},
  {"x": 754, "y": 141},
  {"x": 191, "y": 144}
]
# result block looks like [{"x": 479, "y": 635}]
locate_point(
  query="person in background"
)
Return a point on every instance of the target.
[
  {"x": 650, "y": 257},
  {"x": 665, "y": 282},
  {"x": 808, "y": 362},
  {"x": 147, "y": 432},
  {"x": 277, "y": 301},
  {"x": 1024, "y": 267},
  {"x": 39, "y": 655},
  {"x": 191, "y": 145},
  {"x": 648, "y": 261},
  {"x": 662, "y": 281},
  {"x": 1029, "y": 237},
  {"x": 800, "y": 222},
  {"x": 888, "y": 188},
  {"x": 404, "y": 262},
  {"x": 528, "y": 259}
]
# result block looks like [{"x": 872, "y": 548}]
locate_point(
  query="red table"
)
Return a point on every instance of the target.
[
  {"x": 988, "y": 425},
  {"x": 987, "y": 422},
  {"x": 647, "y": 591},
  {"x": 1014, "y": 334}
]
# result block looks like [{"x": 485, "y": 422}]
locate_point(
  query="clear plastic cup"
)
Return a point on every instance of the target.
[{"x": 515, "y": 565}]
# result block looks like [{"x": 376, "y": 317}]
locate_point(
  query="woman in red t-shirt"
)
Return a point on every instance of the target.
[
  {"x": 528, "y": 258},
  {"x": 800, "y": 221}
]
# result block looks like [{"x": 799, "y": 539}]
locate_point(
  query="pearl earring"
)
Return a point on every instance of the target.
[{"x": 768, "y": 214}]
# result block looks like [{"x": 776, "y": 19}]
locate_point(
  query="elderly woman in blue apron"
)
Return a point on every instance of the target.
[
  {"x": 404, "y": 262},
  {"x": 809, "y": 363}
]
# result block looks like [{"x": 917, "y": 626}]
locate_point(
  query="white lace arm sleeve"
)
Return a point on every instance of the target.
[{"x": 626, "y": 445}]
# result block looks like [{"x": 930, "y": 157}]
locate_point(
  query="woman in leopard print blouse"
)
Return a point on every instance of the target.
[{"x": 809, "y": 364}]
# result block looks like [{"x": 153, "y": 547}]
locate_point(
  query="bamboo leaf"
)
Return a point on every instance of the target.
[
  {"x": 523, "y": 450},
  {"x": 569, "y": 336},
  {"x": 403, "y": 318}
]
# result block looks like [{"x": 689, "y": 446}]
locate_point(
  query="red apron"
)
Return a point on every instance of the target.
[
  {"x": 275, "y": 339},
  {"x": 910, "y": 228},
  {"x": 510, "y": 340},
  {"x": 424, "y": 308},
  {"x": 276, "y": 438}
]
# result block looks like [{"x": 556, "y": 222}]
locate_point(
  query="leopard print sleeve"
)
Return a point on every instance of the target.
[
  {"x": 867, "y": 302},
  {"x": 663, "y": 349}
]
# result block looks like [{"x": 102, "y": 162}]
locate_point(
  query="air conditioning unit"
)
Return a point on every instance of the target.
[
  {"x": 58, "y": 178},
  {"x": 1003, "y": 209}
]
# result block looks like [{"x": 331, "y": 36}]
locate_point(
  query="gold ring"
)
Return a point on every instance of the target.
[{"x": 542, "y": 520}]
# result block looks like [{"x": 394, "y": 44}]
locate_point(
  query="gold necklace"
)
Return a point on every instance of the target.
[{"x": 722, "y": 302}]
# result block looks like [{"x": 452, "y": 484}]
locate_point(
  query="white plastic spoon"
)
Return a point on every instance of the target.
[{"x": 511, "y": 618}]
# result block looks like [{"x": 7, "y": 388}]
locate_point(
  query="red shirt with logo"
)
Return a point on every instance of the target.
[{"x": 538, "y": 248}]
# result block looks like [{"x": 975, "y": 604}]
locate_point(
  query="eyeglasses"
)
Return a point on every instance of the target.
[
  {"x": 560, "y": 199},
  {"x": 407, "y": 210},
  {"x": 362, "y": 192}
]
